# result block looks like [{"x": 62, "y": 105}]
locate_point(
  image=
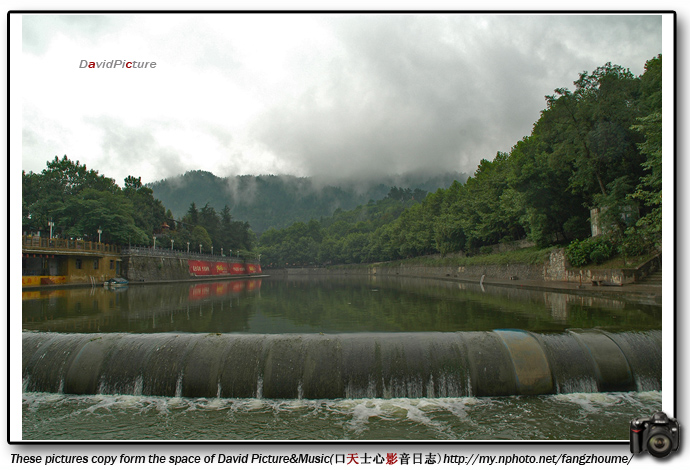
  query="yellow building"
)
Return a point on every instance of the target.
[{"x": 56, "y": 261}]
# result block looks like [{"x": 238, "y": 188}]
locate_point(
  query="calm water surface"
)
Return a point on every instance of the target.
[
  {"x": 325, "y": 305},
  {"x": 330, "y": 305}
]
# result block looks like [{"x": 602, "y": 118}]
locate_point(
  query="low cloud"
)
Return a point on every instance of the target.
[
  {"x": 411, "y": 93},
  {"x": 134, "y": 148},
  {"x": 346, "y": 95}
]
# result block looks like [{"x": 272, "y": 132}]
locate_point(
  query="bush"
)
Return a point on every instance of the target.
[
  {"x": 592, "y": 250},
  {"x": 486, "y": 250},
  {"x": 634, "y": 244},
  {"x": 598, "y": 256},
  {"x": 576, "y": 254}
]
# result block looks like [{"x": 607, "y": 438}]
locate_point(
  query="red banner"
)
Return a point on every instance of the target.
[
  {"x": 221, "y": 268},
  {"x": 253, "y": 269},
  {"x": 199, "y": 268},
  {"x": 237, "y": 268}
]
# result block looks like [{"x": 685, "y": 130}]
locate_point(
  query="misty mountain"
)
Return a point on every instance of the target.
[{"x": 270, "y": 201}]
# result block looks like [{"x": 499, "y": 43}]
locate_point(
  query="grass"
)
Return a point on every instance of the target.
[{"x": 618, "y": 262}]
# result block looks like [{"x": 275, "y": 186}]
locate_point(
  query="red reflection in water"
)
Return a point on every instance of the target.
[{"x": 220, "y": 289}]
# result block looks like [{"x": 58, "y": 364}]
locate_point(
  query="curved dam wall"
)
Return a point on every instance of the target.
[{"x": 483, "y": 363}]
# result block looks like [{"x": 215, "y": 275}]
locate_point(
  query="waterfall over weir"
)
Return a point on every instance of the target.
[{"x": 360, "y": 365}]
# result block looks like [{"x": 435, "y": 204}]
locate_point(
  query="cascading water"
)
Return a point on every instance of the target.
[{"x": 360, "y": 365}]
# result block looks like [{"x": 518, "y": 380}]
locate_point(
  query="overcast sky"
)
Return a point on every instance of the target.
[{"x": 305, "y": 94}]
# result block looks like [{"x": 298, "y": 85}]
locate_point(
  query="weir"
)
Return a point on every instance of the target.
[{"x": 359, "y": 365}]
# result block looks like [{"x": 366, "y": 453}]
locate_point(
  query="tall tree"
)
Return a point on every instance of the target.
[{"x": 589, "y": 129}]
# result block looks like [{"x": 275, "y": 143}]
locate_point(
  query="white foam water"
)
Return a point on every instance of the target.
[{"x": 577, "y": 416}]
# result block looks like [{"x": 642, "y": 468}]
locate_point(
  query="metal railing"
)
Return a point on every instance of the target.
[
  {"x": 42, "y": 243},
  {"x": 60, "y": 244},
  {"x": 180, "y": 254}
]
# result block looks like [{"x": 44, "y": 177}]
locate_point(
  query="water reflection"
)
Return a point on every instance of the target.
[{"x": 326, "y": 305}]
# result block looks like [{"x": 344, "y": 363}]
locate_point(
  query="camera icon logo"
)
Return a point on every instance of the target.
[{"x": 658, "y": 435}]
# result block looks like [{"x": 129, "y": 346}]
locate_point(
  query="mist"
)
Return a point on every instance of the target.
[{"x": 330, "y": 96}]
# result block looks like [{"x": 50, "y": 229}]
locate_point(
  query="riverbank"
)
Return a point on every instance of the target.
[{"x": 523, "y": 276}]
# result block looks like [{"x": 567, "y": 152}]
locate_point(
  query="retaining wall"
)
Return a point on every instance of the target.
[
  {"x": 556, "y": 268},
  {"x": 155, "y": 268},
  {"x": 503, "y": 271}
]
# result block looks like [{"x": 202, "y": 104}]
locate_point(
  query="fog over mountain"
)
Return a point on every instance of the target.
[{"x": 277, "y": 201}]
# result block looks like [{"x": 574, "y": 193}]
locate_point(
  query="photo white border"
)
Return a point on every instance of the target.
[{"x": 669, "y": 269}]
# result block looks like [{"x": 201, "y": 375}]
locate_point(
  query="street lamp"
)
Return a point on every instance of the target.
[
  {"x": 51, "y": 224},
  {"x": 221, "y": 251},
  {"x": 200, "y": 245},
  {"x": 211, "y": 250},
  {"x": 172, "y": 244},
  {"x": 154, "y": 242},
  {"x": 187, "y": 247},
  {"x": 99, "y": 234}
]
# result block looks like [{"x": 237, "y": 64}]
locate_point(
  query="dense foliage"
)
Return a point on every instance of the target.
[
  {"x": 208, "y": 231},
  {"x": 345, "y": 237},
  {"x": 80, "y": 202},
  {"x": 598, "y": 146}
]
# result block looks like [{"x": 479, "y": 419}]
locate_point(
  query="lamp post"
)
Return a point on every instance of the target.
[
  {"x": 51, "y": 224},
  {"x": 99, "y": 234},
  {"x": 187, "y": 247},
  {"x": 200, "y": 245},
  {"x": 172, "y": 244},
  {"x": 154, "y": 242},
  {"x": 221, "y": 251},
  {"x": 211, "y": 250}
]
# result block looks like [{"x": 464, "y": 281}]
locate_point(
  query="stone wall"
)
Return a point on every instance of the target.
[
  {"x": 503, "y": 271},
  {"x": 616, "y": 277},
  {"x": 556, "y": 268},
  {"x": 155, "y": 268}
]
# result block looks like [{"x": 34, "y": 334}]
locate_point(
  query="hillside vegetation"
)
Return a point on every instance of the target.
[{"x": 597, "y": 147}]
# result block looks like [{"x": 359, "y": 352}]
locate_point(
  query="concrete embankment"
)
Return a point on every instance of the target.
[
  {"x": 150, "y": 268},
  {"x": 552, "y": 275},
  {"x": 163, "y": 267}
]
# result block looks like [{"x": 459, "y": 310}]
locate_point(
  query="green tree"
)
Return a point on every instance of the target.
[
  {"x": 148, "y": 212},
  {"x": 648, "y": 191},
  {"x": 192, "y": 215},
  {"x": 92, "y": 209},
  {"x": 592, "y": 130},
  {"x": 199, "y": 236}
]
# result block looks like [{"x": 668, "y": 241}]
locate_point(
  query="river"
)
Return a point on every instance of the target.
[{"x": 418, "y": 317}]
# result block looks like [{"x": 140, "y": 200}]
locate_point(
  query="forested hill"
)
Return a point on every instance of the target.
[
  {"x": 270, "y": 201},
  {"x": 595, "y": 153}
]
